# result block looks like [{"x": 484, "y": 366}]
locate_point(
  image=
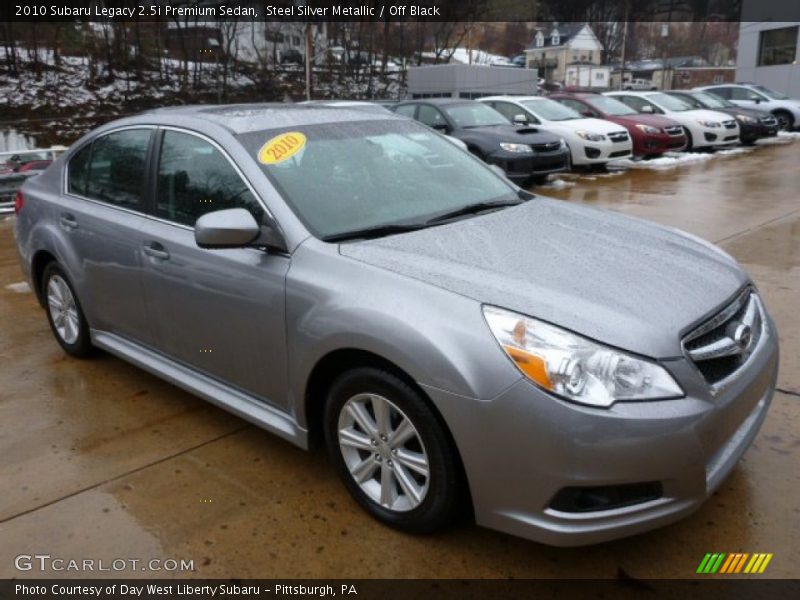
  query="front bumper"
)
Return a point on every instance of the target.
[
  {"x": 520, "y": 168},
  {"x": 599, "y": 153},
  {"x": 750, "y": 132},
  {"x": 523, "y": 447},
  {"x": 649, "y": 144}
]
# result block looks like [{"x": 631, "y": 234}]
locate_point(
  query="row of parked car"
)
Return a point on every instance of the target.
[{"x": 530, "y": 137}]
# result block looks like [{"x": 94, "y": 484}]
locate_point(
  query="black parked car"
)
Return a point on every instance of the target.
[
  {"x": 754, "y": 124},
  {"x": 524, "y": 153}
]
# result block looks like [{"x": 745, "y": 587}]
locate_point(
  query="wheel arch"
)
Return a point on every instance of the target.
[{"x": 39, "y": 263}]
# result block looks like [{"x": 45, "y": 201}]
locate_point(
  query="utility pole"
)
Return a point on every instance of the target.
[
  {"x": 309, "y": 46},
  {"x": 624, "y": 46}
]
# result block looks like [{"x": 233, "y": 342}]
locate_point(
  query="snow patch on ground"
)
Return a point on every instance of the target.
[
  {"x": 783, "y": 137},
  {"x": 559, "y": 184},
  {"x": 735, "y": 151},
  {"x": 669, "y": 160},
  {"x": 21, "y": 287}
]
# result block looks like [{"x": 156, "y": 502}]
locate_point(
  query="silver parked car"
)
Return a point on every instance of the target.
[{"x": 567, "y": 374}]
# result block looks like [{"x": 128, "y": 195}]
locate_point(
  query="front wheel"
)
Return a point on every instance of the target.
[
  {"x": 785, "y": 120},
  {"x": 64, "y": 312},
  {"x": 689, "y": 141},
  {"x": 391, "y": 452}
]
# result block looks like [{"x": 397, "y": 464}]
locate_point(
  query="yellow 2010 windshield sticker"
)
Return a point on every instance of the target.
[{"x": 281, "y": 147}]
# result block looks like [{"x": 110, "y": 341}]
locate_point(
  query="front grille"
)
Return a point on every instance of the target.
[
  {"x": 771, "y": 121},
  {"x": 619, "y": 154},
  {"x": 729, "y": 124},
  {"x": 548, "y": 147},
  {"x": 721, "y": 345},
  {"x": 730, "y": 138},
  {"x": 674, "y": 130},
  {"x": 618, "y": 136}
]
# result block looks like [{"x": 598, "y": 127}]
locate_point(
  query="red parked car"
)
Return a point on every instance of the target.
[{"x": 651, "y": 134}]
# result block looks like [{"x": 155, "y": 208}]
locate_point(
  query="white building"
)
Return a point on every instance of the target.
[
  {"x": 769, "y": 54},
  {"x": 560, "y": 45},
  {"x": 588, "y": 76}
]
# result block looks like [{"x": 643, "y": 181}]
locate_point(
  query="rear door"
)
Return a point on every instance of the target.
[
  {"x": 102, "y": 213},
  {"x": 221, "y": 312}
]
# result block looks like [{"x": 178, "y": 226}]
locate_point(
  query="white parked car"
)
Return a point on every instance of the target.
[
  {"x": 751, "y": 95},
  {"x": 591, "y": 141},
  {"x": 704, "y": 128},
  {"x": 639, "y": 84}
]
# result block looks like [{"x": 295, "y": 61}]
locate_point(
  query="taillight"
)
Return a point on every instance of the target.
[{"x": 19, "y": 202}]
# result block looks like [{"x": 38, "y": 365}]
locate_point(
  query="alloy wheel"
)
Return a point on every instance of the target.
[
  {"x": 63, "y": 310},
  {"x": 384, "y": 452}
]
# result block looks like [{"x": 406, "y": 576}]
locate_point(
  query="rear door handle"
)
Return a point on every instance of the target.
[
  {"x": 68, "y": 221},
  {"x": 156, "y": 250}
]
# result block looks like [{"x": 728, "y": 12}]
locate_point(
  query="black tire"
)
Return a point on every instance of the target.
[
  {"x": 445, "y": 497},
  {"x": 785, "y": 120},
  {"x": 689, "y": 140},
  {"x": 81, "y": 347},
  {"x": 537, "y": 180}
]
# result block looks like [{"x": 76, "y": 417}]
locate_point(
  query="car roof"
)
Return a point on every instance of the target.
[
  {"x": 243, "y": 118},
  {"x": 437, "y": 101},
  {"x": 512, "y": 98}
]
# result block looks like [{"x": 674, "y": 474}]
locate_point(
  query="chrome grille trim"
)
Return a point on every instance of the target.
[
  {"x": 718, "y": 340},
  {"x": 618, "y": 136},
  {"x": 674, "y": 130},
  {"x": 769, "y": 120},
  {"x": 729, "y": 124}
]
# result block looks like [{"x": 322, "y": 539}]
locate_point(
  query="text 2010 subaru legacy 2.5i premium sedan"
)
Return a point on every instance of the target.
[{"x": 569, "y": 374}]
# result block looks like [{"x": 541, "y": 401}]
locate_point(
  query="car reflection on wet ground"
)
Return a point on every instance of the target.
[{"x": 102, "y": 460}]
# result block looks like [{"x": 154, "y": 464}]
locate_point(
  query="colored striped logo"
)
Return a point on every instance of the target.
[{"x": 737, "y": 562}]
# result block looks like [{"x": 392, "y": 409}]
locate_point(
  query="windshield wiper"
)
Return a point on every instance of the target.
[
  {"x": 471, "y": 209},
  {"x": 373, "y": 232}
]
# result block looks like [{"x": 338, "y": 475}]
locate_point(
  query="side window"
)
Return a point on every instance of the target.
[
  {"x": 432, "y": 117},
  {"x": 508, "y": 110},
  {"x": 723, "y": 92},
  {"x": 117, "y": 168},
  {"x": 744, "y": 94},
  {"x": 577, "y": 106},
  {"x": 77, "y": 170},
  {"x": 636, "y": 103},
  {"x": 407, "y": 110},
  {"x": 195, "y": 178}
]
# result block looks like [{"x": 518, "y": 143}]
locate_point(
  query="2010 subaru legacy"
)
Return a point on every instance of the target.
[{"x": 563, "y": 373}]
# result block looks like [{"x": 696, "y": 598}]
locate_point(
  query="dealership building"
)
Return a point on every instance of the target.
[
  {"x": 454, "y": 80},
  {"x": 769, "y": 54}
]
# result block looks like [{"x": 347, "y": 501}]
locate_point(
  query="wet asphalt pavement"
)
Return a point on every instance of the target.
[{"x": 100, "y": 460}]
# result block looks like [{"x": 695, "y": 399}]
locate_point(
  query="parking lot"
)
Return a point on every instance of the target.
[{"x": 102, "y": 460}]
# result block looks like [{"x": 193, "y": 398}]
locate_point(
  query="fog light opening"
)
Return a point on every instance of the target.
[{"x": 609, "y": 497}]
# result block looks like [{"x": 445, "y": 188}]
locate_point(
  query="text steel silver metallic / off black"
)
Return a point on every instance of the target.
[{"x": 572, "y": 375}]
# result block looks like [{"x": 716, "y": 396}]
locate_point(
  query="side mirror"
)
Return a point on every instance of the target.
[
  {"x": 648, "y": 109},
  {"x": 520, "y": 119},
  {"x": 587, "y": 113},
  {"x": 443, "y": 127},
  {"x": 230, "y": 228},
  {"x": 758, "y": 100}
]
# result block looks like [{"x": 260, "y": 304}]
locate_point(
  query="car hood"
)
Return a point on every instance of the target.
[
  {"x": 508, "y": 133},
  {"x": 589, "y": 124},
  {"x": 705, "y": 114},
  {"x": 652, "y": 120},
  {"x": 619, "y": 280}
]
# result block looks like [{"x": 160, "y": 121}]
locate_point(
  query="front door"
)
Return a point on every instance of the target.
[{"x": 221, "y": 312}]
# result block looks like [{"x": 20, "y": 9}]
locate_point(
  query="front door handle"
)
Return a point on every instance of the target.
[
  {"x": 68, "y": 221},
  {"x": 156, "y": 250}
]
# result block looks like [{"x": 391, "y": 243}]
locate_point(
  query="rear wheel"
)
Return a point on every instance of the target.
[
  {"x": 64, "y": 312},
  {"x": 391, "y": 452}
]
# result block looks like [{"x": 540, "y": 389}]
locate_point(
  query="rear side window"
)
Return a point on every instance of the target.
[
  {"x": 407, "y": 110},
  {"x": 195, "y": 178},
  {"x": 77, "y": 171},
  {"x": 117, "y": 168}
]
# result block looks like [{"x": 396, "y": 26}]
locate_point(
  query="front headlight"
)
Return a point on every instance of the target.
[
  {"x": 647, "y": 129},
  {"x": 711, "y": 124},
  {"x": 516, "y": 148},
  {"x": 574, "y": 367},
  {"x": 592, "y": 137},
  {"x": 746, "y": 119}
]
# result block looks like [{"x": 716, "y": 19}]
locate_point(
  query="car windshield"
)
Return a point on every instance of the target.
[
  {"x": 350, "y": 176},
  {"x": 712, "y": 101},
  {"x": 550, "y": 110},
  {"x": 474, "y": 114},
  {"x": 611, "y": 106},
  {"x": 669, "y": 102},
  {"x": 770, "y": 93}
]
